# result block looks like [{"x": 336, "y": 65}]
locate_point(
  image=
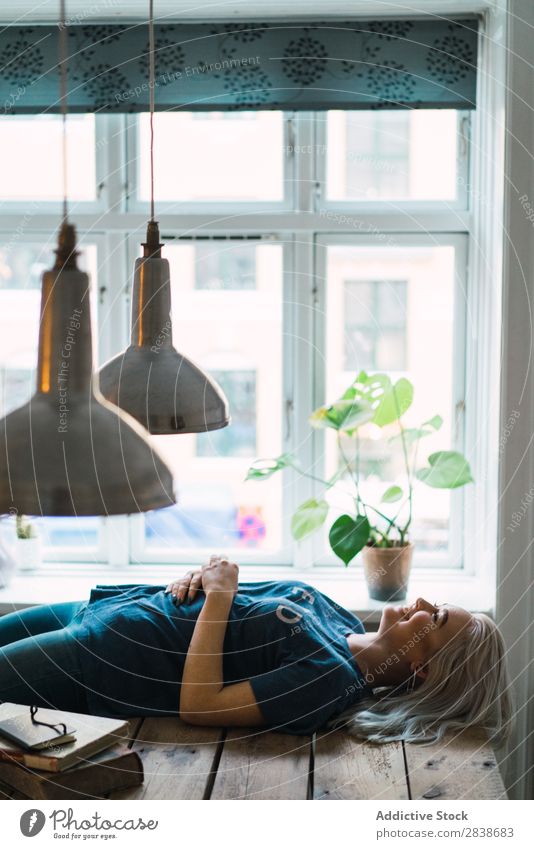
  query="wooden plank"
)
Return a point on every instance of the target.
[
  {"x": 7, "y": 792},
  {"x": 462, "y": 766},
  {"x": 347, "y": 768},
  {"x": 263, "y": 765},
  {"x": 178, "y": 760}
]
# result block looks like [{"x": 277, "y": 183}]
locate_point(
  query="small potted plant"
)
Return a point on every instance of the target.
[
  {"x": 28, "y": 545},
  {"x": 383, "y": 537}
]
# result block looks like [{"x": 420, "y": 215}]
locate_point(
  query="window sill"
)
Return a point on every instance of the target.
[{"x": 56, "y": 582}]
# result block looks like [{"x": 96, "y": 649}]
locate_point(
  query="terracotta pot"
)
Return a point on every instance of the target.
[{"x": 387, "y": 571}]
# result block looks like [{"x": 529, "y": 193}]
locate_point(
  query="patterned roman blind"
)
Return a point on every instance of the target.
[{"x": 429, "y": 63}]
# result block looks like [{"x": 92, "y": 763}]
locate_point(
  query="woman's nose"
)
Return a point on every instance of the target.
[{"x": 422, "y": 604}]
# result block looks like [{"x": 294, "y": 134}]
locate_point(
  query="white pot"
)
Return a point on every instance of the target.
[
  {"x": 8, "y": 564},
  {"x": 29, "y": 554}
]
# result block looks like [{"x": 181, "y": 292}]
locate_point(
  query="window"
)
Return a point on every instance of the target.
[
  {"x": 38, "y": 178},
  {"x": 393, "y": 155},
  {"x": 238, "y": 440},
  {"x": 235, "y": 332},
  {"x": 21, "y": 265},
  {"x": 303, "y": 247},
  {"x": 234, "y": 268},
  {"x": 405, "y": 327},
  {"x": 205, "y": 157},
  {"x": 375, "y": 325}
]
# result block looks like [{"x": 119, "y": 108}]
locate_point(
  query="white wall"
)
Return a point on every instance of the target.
[{"x": 515, "y": 574}]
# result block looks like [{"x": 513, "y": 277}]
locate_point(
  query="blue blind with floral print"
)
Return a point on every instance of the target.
[{"x": 429, "y": 63}]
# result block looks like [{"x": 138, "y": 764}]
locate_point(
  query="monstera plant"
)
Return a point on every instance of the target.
[{"x": 380, "y": 530}]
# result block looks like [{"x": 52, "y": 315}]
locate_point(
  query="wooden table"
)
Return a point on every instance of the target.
[{"x": 188, "y": 762}]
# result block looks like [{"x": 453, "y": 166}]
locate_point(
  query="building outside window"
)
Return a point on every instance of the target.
[
  {"x": 234, "y": 268},
  {"x": 375, "y": 325},
  {"x": 239, "y": 386}
]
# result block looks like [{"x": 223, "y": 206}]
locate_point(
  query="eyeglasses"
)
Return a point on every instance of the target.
[{"x": 33, "y": 711}]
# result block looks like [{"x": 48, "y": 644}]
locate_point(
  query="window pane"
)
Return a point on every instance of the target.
[
  {"x": 372, "y": 309},
  {"x": 391, "y": 303},
  {"x": 408, "y": 332},
  {"x": 390, "y": 350},
  {"x": 213, "y": 156},
  {"x": 239, "y": 440},
  {"x": 236, "y": 335},
  {"x": 32, "y": 146},
  {"x": 229, "y": 269},
  {"x": 392, "y": 155},
  {"x": 21, "y": 266}
]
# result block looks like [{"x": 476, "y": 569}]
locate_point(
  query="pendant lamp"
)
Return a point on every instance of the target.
[
  {"x": 163, "y": 389},
  {"x": 68, "y": 451}
]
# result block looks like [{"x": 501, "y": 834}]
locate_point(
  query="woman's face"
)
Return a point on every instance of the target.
[{"x": 418, "y": 630}]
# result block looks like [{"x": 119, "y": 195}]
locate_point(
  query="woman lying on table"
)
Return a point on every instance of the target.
[{"x": 277, "y": 654}]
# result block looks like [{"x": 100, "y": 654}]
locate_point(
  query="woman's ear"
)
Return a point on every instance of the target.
[{"x": 418, "y": 669}]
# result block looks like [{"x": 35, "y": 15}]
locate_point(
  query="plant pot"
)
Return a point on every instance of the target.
[
  {"x": 28, "y": 553},
  {"x": 387, "y": 571}
]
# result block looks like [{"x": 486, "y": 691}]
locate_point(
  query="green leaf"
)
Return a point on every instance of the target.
[
  {"x": 446, "y": 470},
  {"x": 348, "y": 536},
  {"x": 435, "y": 423},
  {"x": 308, "y": 517},
  {"x": 319, "y": 417},
  {"x": 370, "y": 389},
  {"x": 395, "y": 401},
  {"x": 349, "y": 393},
  {"x": 342, "y": 414},
  {"x": 414, "y": 434},
  {"x": 264, "y": 469},
  {"x": 394, "y": 493}
]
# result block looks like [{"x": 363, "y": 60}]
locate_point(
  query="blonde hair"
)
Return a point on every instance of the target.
[{"x": 467, "y": 686}]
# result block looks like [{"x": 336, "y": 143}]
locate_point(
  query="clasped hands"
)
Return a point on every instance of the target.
[{"x": 220, "y": 575}]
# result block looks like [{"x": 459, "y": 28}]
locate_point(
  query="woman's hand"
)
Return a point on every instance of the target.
[
  {"x": 220, "y": 576},
  {"x": 185, "y": 589}
]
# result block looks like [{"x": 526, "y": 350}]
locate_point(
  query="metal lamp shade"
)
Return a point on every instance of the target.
[
  {"x": 68, "y": 452},
  {"x": 161, "y": 388}
]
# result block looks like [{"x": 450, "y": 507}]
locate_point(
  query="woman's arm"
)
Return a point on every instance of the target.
[{"x": 204, "y": 700}]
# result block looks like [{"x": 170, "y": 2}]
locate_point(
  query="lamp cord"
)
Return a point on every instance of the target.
[
  {"x": 63, "y": 98},
  {"x": 152, "y": 82}
]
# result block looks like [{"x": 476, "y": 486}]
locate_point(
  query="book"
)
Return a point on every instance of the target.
[
  {"x": 114, "y": 769},
  {"x": 28, "y": 733},
  {"x": 93, "y": 735}
]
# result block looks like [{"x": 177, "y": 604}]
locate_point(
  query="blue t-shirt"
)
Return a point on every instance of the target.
[{"x": 285, "y": 637}]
